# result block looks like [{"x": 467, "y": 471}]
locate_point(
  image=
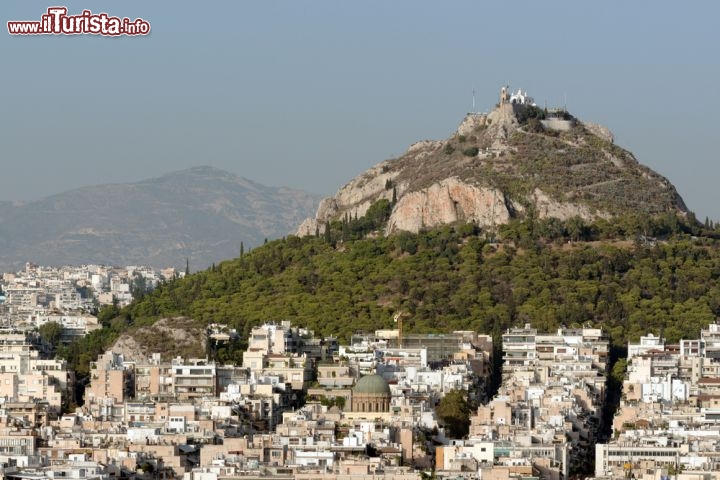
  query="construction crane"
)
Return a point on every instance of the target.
[{"x": 397, "y": 318}]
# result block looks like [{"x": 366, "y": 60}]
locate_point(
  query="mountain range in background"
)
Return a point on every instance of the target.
[{"x": 201, "y": 214}]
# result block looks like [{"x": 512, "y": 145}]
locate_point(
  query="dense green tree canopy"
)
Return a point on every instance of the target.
[
  {"x": 547, "y": 273},
  {"x": 50, "y": 333},
  {"x": 454, "y": 411}
]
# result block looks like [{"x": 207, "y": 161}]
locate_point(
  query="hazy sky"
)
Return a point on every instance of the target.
[{"x": 309, "y": 94}]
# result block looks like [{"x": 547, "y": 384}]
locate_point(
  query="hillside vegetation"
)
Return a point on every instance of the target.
[
  {"x": 548, "y": 273},
  {"x": 575, "y": 166}
]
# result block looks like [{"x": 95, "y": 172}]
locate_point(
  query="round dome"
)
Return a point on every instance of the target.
[{"x": 372, "y": 384}]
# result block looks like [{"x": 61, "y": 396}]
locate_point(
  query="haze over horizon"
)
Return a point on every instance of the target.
[
  {"x": 308, "y": 95},
  {"x": 162, "y": 175}
]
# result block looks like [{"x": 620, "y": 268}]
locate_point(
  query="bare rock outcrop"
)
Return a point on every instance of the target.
[
  {"x": 423, "y": 146},
  {"x": 310, "y": 226},
  {"x": 168, "y": 336},
  {"x": 600, "y": 131},
  {"x": 502, "y": 124},
  {"x": 357, "y": 196},
  {"x": 471, "y": 123},
  {"x": 548, "y": 207},
  {"x": 449, "y": 201}
]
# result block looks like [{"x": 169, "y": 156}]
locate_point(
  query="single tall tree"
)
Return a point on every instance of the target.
[{"x": 454, "y": 411}]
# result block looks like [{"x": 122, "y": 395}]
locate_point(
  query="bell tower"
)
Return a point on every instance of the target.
[{"x": 504, "y": 95}]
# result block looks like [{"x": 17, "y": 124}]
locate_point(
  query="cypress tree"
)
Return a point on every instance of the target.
[{"x": 328, "y": 236}]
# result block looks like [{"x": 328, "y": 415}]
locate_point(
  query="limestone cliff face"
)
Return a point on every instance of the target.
[
  {"x": 354, "y": 198},
  {"x": 493, "y": 168},
  {"x": 502, "y": 125},
  {"x": 448, "y": 201},
  {"x": 547, "y": 207},
  {"x": 600, "y": 131}
]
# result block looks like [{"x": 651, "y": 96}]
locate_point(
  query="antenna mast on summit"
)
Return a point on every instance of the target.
[{"x": 473, "y": 109}]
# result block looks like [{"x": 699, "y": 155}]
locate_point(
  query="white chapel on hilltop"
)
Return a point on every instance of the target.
[
  {"x": 517, "y": 98},
  {"x": 521, "y": 98}
]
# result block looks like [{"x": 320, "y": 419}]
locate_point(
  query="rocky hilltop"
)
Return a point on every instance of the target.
[
  {"x": 201, "y": 213},
  {"x": 514, "y": 161},
  {"x": 168, "y": 336}
]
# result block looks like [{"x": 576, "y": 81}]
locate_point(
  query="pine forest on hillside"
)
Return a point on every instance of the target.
[{"x": 630, "y": 276}]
